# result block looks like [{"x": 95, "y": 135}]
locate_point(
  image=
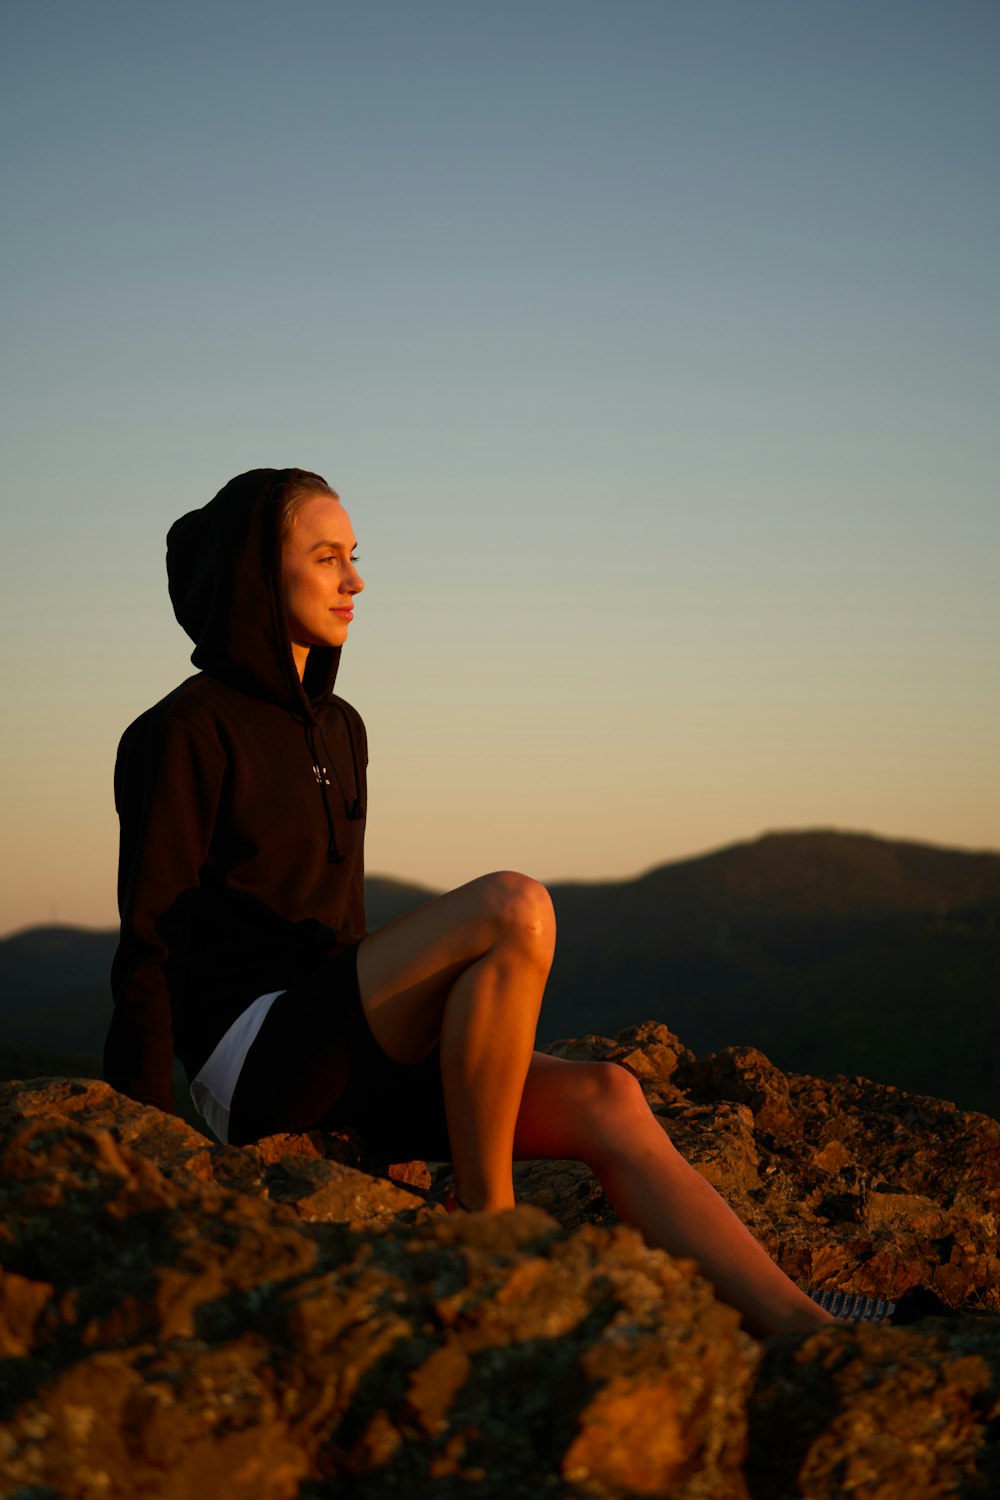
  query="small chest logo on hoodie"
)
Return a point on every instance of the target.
[{"x": 322, "y": 779}]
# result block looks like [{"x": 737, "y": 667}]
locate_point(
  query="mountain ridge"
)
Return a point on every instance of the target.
[{"x": 833, "y": 951}]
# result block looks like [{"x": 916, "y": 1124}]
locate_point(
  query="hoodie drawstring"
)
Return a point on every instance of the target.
[
  {"x": 355, "y": 811},
  {"x": 334, "y": 854},
  {"x": 324, "y": 766}
]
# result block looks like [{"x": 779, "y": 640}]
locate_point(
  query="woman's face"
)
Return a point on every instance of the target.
[{"x": 318, "y": 576}]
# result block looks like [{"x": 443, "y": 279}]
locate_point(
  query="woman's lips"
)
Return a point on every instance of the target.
[{"x": 344, "y": 614}]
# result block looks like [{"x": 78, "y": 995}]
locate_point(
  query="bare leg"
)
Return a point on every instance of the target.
[
  {"x": 468, "y": 969},
  {"x": 596, "y": 1113}
]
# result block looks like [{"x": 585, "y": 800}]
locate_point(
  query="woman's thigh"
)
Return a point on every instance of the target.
[{"x": 407, "y": 969}]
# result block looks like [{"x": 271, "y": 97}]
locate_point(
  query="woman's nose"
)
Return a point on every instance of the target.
[{"x": 354, "y": 582}]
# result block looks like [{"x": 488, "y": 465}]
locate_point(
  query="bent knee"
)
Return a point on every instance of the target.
[
  {"x": 612, "y": 1102},
  {"x": 616, "y": 1089},
  {"x": 605, "y": 1108},
  {"x": 520, "y": 907}
]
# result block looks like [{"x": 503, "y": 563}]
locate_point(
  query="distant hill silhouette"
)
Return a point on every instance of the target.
[{"x": 832, "y": 952}]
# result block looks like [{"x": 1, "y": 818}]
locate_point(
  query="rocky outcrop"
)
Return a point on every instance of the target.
[
  {"x": 848, "y": 1183},
  {"x": 183, "y": 1319}
]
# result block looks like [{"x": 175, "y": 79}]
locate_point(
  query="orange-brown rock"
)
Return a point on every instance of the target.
[
  {"x": 183, "y": 1319},
  {"x": 880, "y": 1412}
]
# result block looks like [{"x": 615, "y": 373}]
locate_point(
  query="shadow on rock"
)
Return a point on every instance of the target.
[{"x": 180, "y": 1319}]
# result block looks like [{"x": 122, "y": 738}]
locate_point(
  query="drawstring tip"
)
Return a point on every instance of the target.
[
  {"x": 357, "y": 811},
  {"x": 334, "y": 857}
]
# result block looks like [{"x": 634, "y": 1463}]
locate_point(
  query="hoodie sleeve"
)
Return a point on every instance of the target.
[{"x": 168, "y": 780}]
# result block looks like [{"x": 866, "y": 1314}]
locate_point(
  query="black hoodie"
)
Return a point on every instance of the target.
[{"x": 241, "y": 798}]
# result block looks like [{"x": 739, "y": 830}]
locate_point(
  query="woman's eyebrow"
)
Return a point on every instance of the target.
[{"x": 334, "y": 546}]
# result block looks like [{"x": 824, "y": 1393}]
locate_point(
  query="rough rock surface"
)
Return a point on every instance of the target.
[{"x": 182, "y": 1319}]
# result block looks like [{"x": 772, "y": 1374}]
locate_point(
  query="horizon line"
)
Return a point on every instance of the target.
[{"x": 405, "y": 880}]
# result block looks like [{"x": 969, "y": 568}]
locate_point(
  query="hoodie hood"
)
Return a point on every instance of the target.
[{"x": 224, "y": 577}]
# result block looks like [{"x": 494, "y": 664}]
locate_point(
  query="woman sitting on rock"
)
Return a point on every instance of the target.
[{"x": 243, "y": 949}]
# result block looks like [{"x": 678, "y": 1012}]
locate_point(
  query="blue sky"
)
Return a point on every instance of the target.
[{"x": 654, "y": 351}]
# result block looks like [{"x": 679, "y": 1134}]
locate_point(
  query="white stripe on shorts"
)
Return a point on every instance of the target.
[{"x": 212, "y": 1089}]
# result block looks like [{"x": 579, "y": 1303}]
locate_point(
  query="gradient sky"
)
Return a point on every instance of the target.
[{"x": 653, "y": 347}]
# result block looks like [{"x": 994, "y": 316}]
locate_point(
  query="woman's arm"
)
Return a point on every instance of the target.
[{"x": 168, "y": 779}]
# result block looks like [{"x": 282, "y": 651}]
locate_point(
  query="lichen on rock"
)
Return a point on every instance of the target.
[{"x": 184, "y": 1319}]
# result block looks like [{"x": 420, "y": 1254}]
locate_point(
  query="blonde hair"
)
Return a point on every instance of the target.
[{"x": 301, "y": 485}]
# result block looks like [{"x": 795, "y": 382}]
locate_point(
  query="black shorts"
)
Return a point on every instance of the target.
[{"x": 315, "y": 1065}]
